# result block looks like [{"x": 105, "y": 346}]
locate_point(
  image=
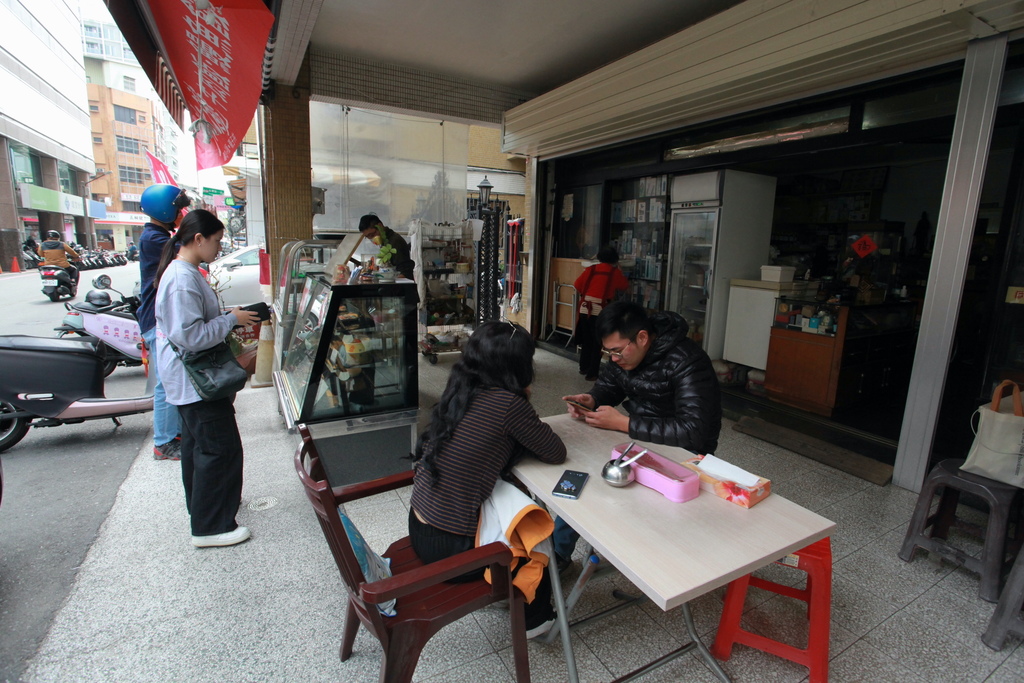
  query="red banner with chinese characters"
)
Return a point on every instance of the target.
[
  {"x": 161, "y": 174},
  {"x": 216, "y": 55}
]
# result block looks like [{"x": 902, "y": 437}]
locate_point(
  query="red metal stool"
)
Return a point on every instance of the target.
[{"x": 816, "y": 560}]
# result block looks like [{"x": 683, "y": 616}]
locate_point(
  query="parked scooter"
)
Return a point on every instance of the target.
[
  {"x": 112, "y": 323},
  {"x": 30, "y": 258},
  {"x": 57, "y": 282},
  {"x": 51, "y": 382}
]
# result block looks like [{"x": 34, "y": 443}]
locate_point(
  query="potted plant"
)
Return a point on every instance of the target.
[{"x": 385, "y": 270}]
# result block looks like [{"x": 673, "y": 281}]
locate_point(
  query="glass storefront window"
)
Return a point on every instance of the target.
[
  {"x": 920, "y": 105},
  {"x": 1012, "y": 91},
  {"x": 578, "y": 234},
  {"x": 397, "y": 166}
]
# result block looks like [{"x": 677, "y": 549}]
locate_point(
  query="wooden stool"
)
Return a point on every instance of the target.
[
  {"x": 1007, "y": 618},
  {"x": 816, "y": 560},
  {"x": 1000, "y": 499}
]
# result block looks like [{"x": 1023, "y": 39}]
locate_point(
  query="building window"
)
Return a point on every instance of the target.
[
  {"x": 64, "y": 177},
  {"x": 124, "y": 114},
  {"x": 131, "y": 174},
  {"x": 142, "y": 118},
  {"x": 94, "y": 107},
  {"x": 92, "y": 30},
  {"x": 97, "y": 140},
  {"x": 133, "y": 207},
  {"x": 128, "y": 145},
  {"x": 24, "y": 164},
  {"x": 129, "y": 84},
  {"x": 93, "y": 48}
]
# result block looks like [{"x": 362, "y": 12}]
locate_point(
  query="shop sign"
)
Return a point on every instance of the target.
[
  {"x": 43, "y": 199},
  {"x": 97, "y": 209},
  {"x": 1015, "y": 295},
  {"x": 126, "y": 217},
  {"x": 130, "y": 197},
  {"x": 864, "y": 246},
  {"x": 211, "y": 192}
]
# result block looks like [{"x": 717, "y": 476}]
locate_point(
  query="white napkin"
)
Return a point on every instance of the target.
[{"x": 720, "y": 469}]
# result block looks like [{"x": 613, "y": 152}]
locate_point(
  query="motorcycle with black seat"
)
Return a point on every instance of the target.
[
  {"x": 58, "y": 282},
  {"x": 51, "y": 382}
]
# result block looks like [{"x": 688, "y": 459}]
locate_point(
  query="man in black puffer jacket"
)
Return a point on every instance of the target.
[{"x": 666, "y": 379}]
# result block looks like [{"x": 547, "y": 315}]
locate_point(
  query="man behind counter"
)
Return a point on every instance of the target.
[
  {"x": 371, "y": 227},
  {"x": 667, "y": 379}
]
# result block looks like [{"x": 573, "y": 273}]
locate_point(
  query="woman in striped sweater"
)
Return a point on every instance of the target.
[{"x": 480, "y": 428}]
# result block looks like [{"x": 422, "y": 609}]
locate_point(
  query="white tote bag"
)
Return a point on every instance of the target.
[{"x": 998, "y": 448}]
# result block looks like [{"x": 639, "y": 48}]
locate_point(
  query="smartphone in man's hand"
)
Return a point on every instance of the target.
[{"x": 579, "y": 405}]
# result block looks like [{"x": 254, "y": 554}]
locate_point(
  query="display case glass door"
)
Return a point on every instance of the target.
[
  {"x": 299, "y": 259},
  {"x": 692, "y": 254}
]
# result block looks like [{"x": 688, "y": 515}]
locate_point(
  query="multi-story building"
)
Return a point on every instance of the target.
[
  {"x": 44, "y": 125},
  {"x": 127, "y": 121}
]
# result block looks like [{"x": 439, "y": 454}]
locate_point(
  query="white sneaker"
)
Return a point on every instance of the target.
[
  {"x": 230, "y": 538},
  {"x": 538, "y": 631}
]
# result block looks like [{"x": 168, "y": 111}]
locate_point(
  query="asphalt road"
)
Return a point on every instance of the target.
[{"x": 59, "y": 483}]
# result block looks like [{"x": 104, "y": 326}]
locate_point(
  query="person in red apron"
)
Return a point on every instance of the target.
[{"x": 597, "y": 286}]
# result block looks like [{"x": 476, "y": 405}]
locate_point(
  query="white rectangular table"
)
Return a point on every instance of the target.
[{"x": 673, "y": 552}]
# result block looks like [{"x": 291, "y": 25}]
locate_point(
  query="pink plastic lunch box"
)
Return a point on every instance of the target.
[{"x": 657, "y": 472}]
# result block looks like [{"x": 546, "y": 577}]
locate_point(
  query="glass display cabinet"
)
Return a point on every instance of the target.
[
  {"x": 349, "y": 373},
  {"x": 299, "y": 259}
]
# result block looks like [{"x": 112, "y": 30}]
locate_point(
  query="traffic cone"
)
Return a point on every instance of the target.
[
  {"x": 15, "y": 268},
  {"x": 264, "y": 358}
]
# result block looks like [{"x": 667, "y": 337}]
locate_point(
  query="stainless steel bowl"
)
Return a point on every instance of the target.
[{"x": 617, "y": 475}]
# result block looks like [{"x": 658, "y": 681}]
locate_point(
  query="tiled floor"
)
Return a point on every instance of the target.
[
  {"x": 147, "y": 606},
  {"x": 891, "y": 620}
]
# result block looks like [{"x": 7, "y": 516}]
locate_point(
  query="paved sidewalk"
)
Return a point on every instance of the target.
[{"x": 147, "y": 606}]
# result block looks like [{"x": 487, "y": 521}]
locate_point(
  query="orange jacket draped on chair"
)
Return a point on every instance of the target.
[{"x": 511, "y": 516}]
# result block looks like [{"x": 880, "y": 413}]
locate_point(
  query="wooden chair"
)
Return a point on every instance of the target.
[{"x": 426, "y": 604}]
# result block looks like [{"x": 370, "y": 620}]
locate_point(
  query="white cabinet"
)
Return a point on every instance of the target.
[{"x": 749, "y": 322}]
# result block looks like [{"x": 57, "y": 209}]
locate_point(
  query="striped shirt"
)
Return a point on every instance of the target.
[{"x": 497, "y": 426}]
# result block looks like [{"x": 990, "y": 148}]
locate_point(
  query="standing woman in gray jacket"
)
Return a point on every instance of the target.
[{"x": 188, "y": 315}]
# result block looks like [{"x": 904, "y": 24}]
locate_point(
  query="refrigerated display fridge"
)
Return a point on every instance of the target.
[
  {"x": 349, "y": 373},
  {"x": 720, "y": 230}
]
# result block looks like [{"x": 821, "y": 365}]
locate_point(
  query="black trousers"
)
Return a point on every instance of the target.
[
  {"x": 590, "y": 345},
  {"x": 211, "y": 465},
  {"x": 432, "y": 544}
]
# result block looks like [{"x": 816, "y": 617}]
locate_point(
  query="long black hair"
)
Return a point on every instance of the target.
[
  {"x": 197, "y": 222},
  {"x": 497, "y": 355}
]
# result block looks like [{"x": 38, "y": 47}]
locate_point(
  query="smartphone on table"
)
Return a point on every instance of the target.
[{"x": 570, "y": 484}]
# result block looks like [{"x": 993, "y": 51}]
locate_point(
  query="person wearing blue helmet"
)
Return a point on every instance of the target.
[{"x": 163, "y": 204}]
